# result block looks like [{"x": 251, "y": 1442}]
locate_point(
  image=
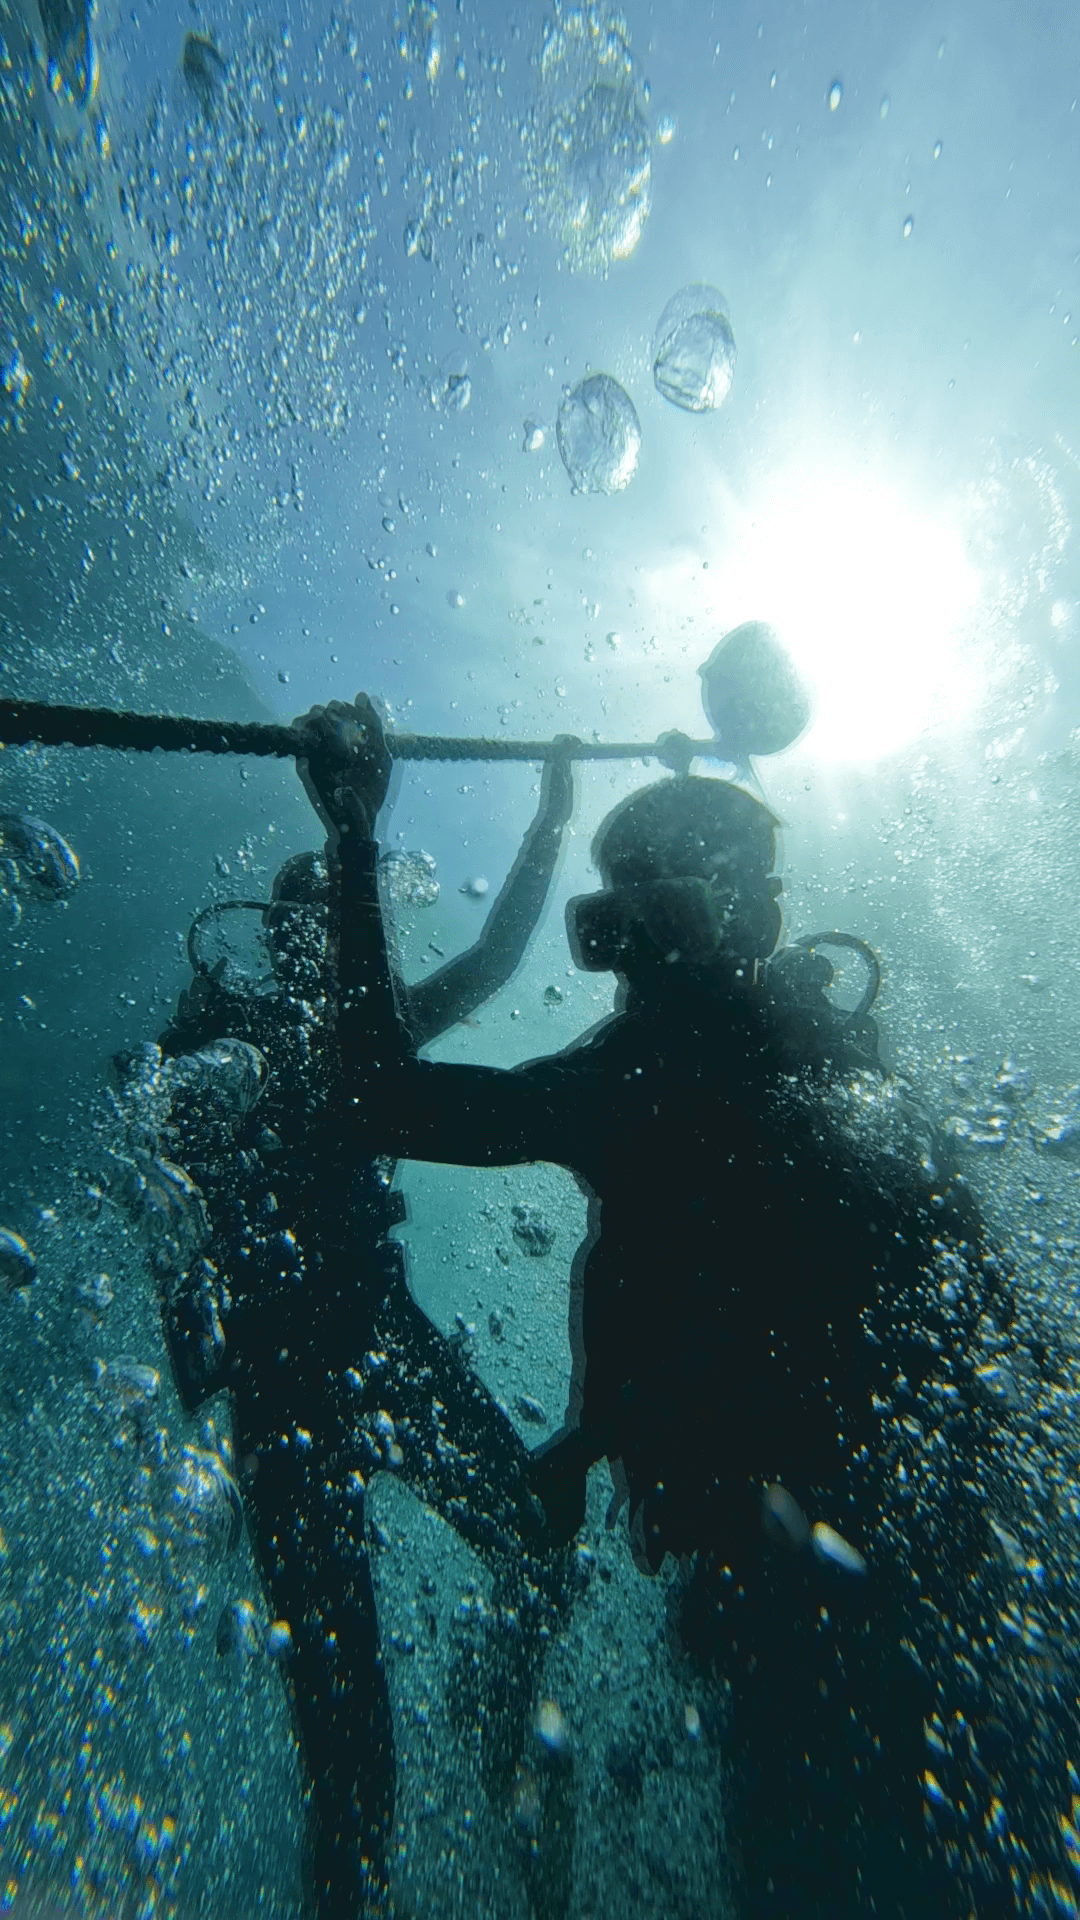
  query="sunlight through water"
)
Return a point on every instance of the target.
[{"x": 875, "y": 597}]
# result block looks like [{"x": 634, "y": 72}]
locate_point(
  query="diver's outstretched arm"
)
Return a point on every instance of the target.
[
  {"x": 346, "y": 773},
  {"x": 444, "y": 997},
  {"x": 462, "y": 1116}
]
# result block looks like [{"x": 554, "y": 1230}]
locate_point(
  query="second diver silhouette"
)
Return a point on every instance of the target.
[
  {"x": 799, "y": 1344},
  {"x": 304, "y": 1314}
]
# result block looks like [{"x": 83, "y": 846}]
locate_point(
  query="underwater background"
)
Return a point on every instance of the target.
[{"x": 297, "y": 305}]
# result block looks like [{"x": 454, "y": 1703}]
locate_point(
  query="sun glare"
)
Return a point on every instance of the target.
[{"x": 874, "y": 598}]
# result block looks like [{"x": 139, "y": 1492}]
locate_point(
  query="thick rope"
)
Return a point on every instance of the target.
[{"x": 23, "y": 722}]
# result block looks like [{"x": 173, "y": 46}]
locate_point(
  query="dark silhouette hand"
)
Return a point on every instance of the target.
[
  {"x": 346, "y": 765},
  {"x": 557, "y": 783}
]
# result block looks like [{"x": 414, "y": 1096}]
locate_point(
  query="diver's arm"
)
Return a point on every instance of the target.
[
  {"x": 396, "y": 1104},
  {"x": 444, "y": 997},
  {"x": 346, "y": 773},
  {"x": 460, "y": 1116}
]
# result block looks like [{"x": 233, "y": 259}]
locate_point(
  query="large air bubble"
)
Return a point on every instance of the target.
[
  {"x": 694, "y": 350},
  {"x": 590, "y": 161},
  {"x": 409, "y": 879},
  {"x": 599, "y": 435},
  {"x": 35, "y": 860}
]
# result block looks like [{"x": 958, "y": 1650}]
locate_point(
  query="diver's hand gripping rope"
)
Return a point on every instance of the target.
[{"x": 23, "y": 722}]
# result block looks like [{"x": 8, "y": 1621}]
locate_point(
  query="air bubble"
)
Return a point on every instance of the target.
[
  {"x": 590, "y": 161},
  {"x": 599, "y": 435},
  {"x": 694, "y": 350}
]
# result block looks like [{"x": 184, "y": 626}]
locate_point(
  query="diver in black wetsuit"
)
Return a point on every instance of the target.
[
  {"x": 334, "y": 1371},
  {"x": 800, "y": 1346}
]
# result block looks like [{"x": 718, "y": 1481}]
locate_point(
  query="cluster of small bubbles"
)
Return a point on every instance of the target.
[
  {"x": 989, "y": 1129},
  {"x": 599, "y": 435},
  {"x": 882, "y": 1121},
  {"x": 987, "y": 1124},
  {"x": 995, "y": 1384},
  {"x": 420, "y": 38},
  {"x": 1013, "y": 1083},
  {"x": 245, "y": 251},
  {"x": 409, "y": 879},
  {"x": 383, "y": 1431},
  {"x": 1058, "y": 1132},
  {"x": 589, "y": 152},
  {"x": 17, "y": 1264},
  {"x": 15, "y": 377},
  {"x": 163, "y": 1201},
  {"x": 694, "y": 350}
]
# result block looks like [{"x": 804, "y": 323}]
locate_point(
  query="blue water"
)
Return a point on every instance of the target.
[{"x": 239, "y": 476}]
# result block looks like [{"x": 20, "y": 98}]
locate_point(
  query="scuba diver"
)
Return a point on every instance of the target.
[
  {"x": 303, "y": 1313},
  {"x": 796, "y": 1344}
]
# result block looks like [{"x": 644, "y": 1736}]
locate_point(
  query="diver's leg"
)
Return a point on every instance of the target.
[
  {"x": 557, "y": 1477},
  {"x": 827, "y": 1750},
  {"x": 895, "y": 1750},
  {"x": 460, "y": 1449},
  {"x": 309, "y": 1529},
  {"x": 462, "y": 1455}
]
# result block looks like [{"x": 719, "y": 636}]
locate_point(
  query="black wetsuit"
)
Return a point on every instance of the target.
[
  {"x": 785, "y": 1282},
  {"x": 306, "y": 1317}
]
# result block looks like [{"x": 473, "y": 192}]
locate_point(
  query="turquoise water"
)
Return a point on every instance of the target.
[{"x": 290, "y": 371}]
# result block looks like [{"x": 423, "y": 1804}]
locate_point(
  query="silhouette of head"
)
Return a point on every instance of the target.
[{"x": 687, "y": 872}]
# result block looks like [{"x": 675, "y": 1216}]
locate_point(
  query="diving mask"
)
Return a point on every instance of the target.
[{"x": 689, "y": 919}]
